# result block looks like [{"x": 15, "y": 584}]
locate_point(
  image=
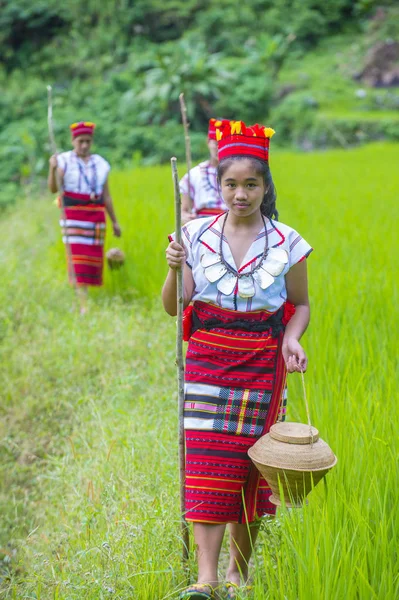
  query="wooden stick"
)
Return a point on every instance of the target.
[
  {"x": 180, "y": 368},
  {"x": 53, "y": 146},
  {"x": 187, "y": 142}
]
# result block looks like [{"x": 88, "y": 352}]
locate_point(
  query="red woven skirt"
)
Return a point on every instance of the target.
[
  {"x": 209, "y": 212},
  {"x": 234, "y": 391},
  {"x": 84, "y": 232}
]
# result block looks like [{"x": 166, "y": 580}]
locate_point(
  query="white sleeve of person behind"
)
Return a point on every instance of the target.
[
  {"x": 183, "y": 185},
  {"x": 195, "y": 183},
  {"x": 62, "y": 160}
]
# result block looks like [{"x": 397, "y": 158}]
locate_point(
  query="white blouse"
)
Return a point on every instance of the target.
[
  {"x": 202, "y": 237},
  {"x": 204, "y": 189},
  {"x": 81, "y": 177}
]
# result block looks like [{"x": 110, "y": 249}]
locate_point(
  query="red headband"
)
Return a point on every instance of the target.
[
  {"x": 213, "y": 124},
  {"x": 82, "y": 128},
  {"x": 235, "y": 138}
]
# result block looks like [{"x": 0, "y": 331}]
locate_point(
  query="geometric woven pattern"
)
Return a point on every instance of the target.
[
  {"x": 217, "y": 468},
  {"x": 84, "y": 231},
  {"x": 234, "y": 387},
  {"x": 242, "y": 411},
  {"x": 225, "y": 410}
]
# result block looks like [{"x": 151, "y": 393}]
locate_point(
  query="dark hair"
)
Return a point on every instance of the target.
[{"x": 268, "y": 206}]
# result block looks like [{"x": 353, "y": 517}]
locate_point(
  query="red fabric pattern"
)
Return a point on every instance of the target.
[
  {"x": 289, "y": 312},
  {"x": 213, "y": 123},
  {"x": 187, "y": 322},
  {"x": 226, "y": 357},
  {"x": 236, "y": 138},
  {"x": 255, "y": 480},
  {"x": 217, "y": 470},
  {"x": 87, "y": 258},
  {"x": 209, "y": 212},
  {"x": 82, "y": 128}
]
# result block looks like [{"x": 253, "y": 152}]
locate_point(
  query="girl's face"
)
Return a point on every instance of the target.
[
  {"x": 243, "y": 188},
  {"x": 81, "y": 145}
]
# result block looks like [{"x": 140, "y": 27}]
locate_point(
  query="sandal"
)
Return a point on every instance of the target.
[
  {"x": 229, "y": 587},
  {"x": 198, "y": 591}
]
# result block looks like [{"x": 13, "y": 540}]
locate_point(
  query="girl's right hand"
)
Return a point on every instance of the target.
[
  {"x": 175, "y": 256},
  {"x": 53, "y": 162}
]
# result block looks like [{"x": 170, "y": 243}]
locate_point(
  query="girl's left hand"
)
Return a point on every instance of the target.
[
  {"x": 117, "y": 229},
  {"x": 294, "y": 356}
]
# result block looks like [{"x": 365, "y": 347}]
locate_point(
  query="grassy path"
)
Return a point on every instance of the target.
[
  {"x": 88, "y": 466},
  {"x": 87, "y": 439}
]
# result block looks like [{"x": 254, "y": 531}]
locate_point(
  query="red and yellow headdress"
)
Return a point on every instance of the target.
[
  {"x": 236, "y": 139},
  {"x": 213, "y": 124},
  {"x": 82, "y": 128}
]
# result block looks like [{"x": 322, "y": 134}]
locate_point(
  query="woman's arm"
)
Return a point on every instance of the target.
[
  {"x": 176, "y": 258},
  {"x": 109, "y": 207},
  {"x": 296, "y": 282},
  {"x": 186, "y": 209},
  {"x": 52, "y": 177}
]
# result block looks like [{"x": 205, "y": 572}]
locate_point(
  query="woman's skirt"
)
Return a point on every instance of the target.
[
  {"x": 209, "y": 212},
  {"x": 234, "y": 392},
  {"x": 84, "y": 231}
]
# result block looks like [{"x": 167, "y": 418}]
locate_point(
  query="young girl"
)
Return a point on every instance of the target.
[
  {"x": 245, "y": 273},
  {"x": 204, "y": 198}
]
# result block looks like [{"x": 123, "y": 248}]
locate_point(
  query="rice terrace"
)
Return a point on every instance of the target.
[
  {"x": 91, "y": 430},
  {"x": 89, "y": 482}
]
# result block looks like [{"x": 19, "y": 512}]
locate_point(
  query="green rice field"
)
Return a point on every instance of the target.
[{"x": 88, "y": 431}]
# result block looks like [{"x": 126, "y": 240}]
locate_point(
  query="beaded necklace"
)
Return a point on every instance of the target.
[
  {"x": 93, "y": 185},
  {"x": 230, "y": 281},
  {"x": 263, "y": 257}
]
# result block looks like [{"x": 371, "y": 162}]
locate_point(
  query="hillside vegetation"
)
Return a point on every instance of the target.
[{"x": 123, "y": 64}]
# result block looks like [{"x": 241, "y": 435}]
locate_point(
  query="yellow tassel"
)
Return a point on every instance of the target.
[
  {"x": 269, "y": 132},
  {"x": 219, "y": 134},
  {"x": 235, "y": 127},
  {"x": 218, "y": 123}
]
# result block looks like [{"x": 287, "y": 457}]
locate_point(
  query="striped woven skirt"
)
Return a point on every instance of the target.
[
  {"x": 84, "y": 231},
  {"x": 234, "y": 391}
]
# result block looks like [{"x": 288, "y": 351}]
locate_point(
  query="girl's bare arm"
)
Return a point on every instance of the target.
[
  {"x": 296, "y": 282},
  {"x": 186, "y": 208},
  {"x": 109, "y": 206},
  {"x": 52, "y": 174}
]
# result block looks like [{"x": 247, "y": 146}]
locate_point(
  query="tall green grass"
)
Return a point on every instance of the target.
[{"x": 88, "y": 452}]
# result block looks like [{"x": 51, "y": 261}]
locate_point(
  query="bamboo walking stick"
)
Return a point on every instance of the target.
[
  {"x": 53, "y": 146},
  {"x": 187, "y": 143},
  {"x": 180, "y": 368}
]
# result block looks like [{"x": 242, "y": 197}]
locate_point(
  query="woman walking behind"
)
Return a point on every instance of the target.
[
  {"x": 203, "y": 199},
  {"x": 86, "y": 198},
  {"x": 246, "y": 275}
]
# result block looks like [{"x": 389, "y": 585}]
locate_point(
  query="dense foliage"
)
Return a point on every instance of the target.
[{"x": 123, "y": 64}]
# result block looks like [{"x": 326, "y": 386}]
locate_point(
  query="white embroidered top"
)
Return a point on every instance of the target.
[
  {"x": 202, "y": 237},
  {"x": 81, "y": 177},
  {"x": 204, "y": 189}
]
